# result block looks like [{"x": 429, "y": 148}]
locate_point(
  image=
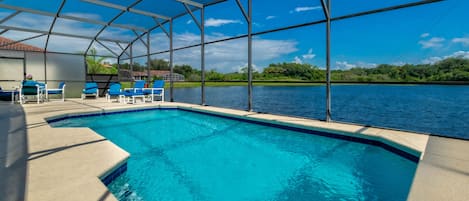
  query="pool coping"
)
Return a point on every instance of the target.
[{"x": 412, "y": 143}]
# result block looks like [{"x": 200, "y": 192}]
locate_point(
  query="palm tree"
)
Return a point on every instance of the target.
[{"x": 94, "y": 62}]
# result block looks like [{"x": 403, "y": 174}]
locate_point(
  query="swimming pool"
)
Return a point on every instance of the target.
[{"x": 183, "y": 155}]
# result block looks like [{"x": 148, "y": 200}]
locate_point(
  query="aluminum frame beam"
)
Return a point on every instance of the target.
[
  {"x": 162, "y": 27},
  {"x": 192, "y": 3},
  {"x": 53, "y": 23},
  {"x": 109, "y": 23},
  {"x": 58, "y": 34},
  {"x": 298, "y": 25},
  {"x": 171, "y": 62},
  {"x": 9, "y": 17},
  {"x": 201, "y": 27},
  {"x": 148, "y": 59},
  {"x": 68, "y": 17},
  {"x": 123, "y": 8},
  {"x": 141, "y": 40},
  {"x": 167, "y": 21},
  {"x": 107, "y": 48},
  {"x": 122, "y": 48},
  {"x": 326, "y": 7},
  {"x": 199, "y": 24},
  {"x": 248, "y": 17}
]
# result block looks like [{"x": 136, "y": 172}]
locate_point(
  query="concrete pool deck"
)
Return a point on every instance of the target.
[{"x": 44, "y": 163}]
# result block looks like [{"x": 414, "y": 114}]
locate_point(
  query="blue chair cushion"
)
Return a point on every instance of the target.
[
  {"x": 55, "y": 92},
  {"x": 90, "y": 88},
  {"x": 29, "y": 87},
  {"x": 115, "y": 89}
]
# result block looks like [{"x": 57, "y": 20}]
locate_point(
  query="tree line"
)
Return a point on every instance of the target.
[{"x": 450, "y": 69}]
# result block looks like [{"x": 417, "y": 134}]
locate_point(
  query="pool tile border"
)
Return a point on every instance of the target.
[
  {"x": 113, "y": 174},
  {"x": 311, "y": 131}
]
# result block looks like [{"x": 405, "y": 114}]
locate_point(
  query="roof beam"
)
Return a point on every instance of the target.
[
  {"x": 9, "y": 17},
  {"x": 199, "y": 25},
  {"x": 58, "y": 34},
  {"x": 325, "y": 9},
  {"x": 81, "y": 19},
  {"x": 107, "y": 48},
  {"x": 120, "y": 46},
  {"x": 141, "y": 40},
  {"x": 130, "y": 27},
  {"x": 245, "y": 14},
  {"x": 123, "y": 8},
  {"x": 174, "y": 17},
  {"x": 110, "y": 22},
  {"x": 53, "y": 23},
  {"x": 161, "y": 26},
  {"x": 192, "y": 3}
]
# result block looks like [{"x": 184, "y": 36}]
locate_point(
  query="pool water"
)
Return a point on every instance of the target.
[{"x": 182, "y": 155}]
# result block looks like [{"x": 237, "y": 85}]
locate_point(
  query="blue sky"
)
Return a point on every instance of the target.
[{"x": 423, "y": 34}]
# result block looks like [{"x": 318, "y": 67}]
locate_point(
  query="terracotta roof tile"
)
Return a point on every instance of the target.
[{"x": 17, "y": 46}]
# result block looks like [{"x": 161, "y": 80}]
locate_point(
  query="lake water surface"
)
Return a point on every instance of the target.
[{"x": 435, "y": 109}]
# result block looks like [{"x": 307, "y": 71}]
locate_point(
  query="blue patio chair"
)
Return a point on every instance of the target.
[
  {"x": 156, "y": 91},
  {"x": 8, "y": 95},
  {"x": 91, "y": 89},
  {"x": 32, "y": 88},
  {"x": 114, "y": 91},
  {"x": 136, "y": 92},
  {"x": 60, "y": 90}
]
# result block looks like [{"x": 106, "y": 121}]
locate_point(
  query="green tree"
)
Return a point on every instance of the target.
[{"x": 94, "y": 62}]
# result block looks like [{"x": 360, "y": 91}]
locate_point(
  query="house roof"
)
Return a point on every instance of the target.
[
  {"x": 9, "y": 44},
  {"x": 152, "y": 73}
]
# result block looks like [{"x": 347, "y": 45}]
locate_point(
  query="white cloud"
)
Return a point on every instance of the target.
[
  {"x": 310, "y": 54},
  {"x": 241, "y": 68},
  {"x": 431, "y": 60},
  {"x": 344, "y": 65},
  {"x": 189, "y": 22},
  {"x": 226, "y": 56},
  {"x": 424, "y": 35},
  {"x": 464, "y": 41},
  {"x": 458, "y": 54},
  {"x": 366, "y": 65},
  {"x": 434, "y": 42},
  {"x": 398, "y": 63},
  {"x": 305, "y": 8},
  {"x": 211, "y": 22},
  {"x": 297, "y": 60},
  {"x": 270, "y": 17}
]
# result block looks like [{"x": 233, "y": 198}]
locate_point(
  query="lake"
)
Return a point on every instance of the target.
[{"x": 434, "y": 109}]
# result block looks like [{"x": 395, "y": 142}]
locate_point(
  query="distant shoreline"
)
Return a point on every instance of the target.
[{"x": 302, "y": 83}]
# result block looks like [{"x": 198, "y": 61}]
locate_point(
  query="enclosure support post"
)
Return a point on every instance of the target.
[
  {"x": 327, "y": 9},
  {"x": 24, "y": 65},
  {"x": 45, "y": 67},
  {"x": 86, "y": 65},
  {"x": 202, "y": 52},
  {"x": 131, "y": 62},
  {"x": 171, "y": 63},
  {"x": 148, "y": 59},
  {"x": 250, "y": 55},
  {"x": 118, "y": 68},
  {"x": 248, "y": 17}
]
